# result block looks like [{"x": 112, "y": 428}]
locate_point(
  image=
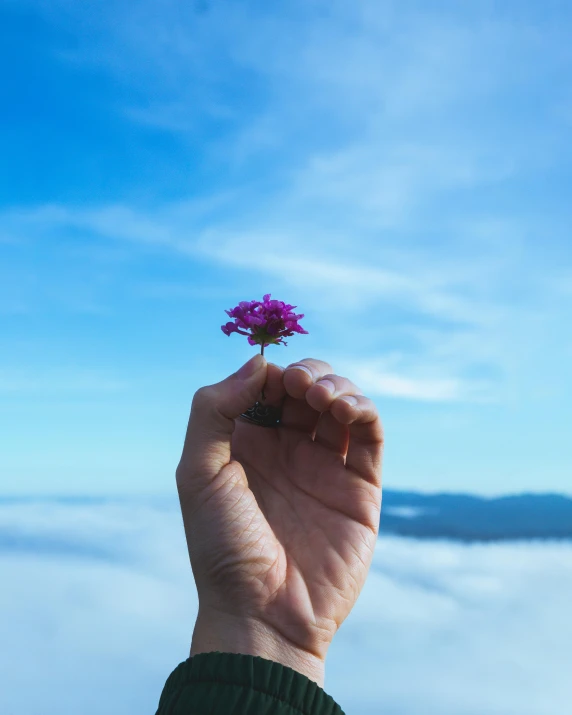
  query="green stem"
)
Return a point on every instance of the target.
[{"x": 262, "y": 353}]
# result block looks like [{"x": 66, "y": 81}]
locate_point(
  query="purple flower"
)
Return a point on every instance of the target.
[{"x": 264, "y": 323}]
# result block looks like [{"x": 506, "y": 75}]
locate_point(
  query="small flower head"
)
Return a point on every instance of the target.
[{"x": 264, "y": 323}]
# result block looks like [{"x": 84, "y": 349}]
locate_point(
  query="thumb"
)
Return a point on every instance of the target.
[{"x": 211, "y": 424}]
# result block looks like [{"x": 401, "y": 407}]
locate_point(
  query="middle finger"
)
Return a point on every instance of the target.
[{"x": 315, "y": 387}]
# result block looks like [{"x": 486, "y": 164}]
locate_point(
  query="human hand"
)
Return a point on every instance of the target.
[{"x": 281, "y": 524}]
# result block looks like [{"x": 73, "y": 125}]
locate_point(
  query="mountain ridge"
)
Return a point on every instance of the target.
[{"x": 441, "y": 515}]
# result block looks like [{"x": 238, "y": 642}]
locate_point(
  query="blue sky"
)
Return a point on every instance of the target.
[{"x": 399, "y": 171}]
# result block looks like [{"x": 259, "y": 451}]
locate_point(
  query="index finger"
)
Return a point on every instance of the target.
[{"x": 301, "y": 375}]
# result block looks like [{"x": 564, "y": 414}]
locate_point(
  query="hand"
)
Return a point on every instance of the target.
[{"x": 281, "y": 524}]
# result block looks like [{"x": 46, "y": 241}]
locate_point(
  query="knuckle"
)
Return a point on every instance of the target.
[
  {"x": 381, "y": 431},
  {"x": 184, "y": 481},
  {"x": 202, "y": 396}
]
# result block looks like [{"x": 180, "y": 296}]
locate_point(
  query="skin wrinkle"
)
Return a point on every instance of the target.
[
  {"x": 331, "y": 446},
  {"x": 266, "y": 514},
  {"x": 372, "y": 476},
  {"x": 344, "y": 570},
  {"x": 290, "y": 558},
  {"x": 273, "y": 486},
  {"x": 332, "y": 508},
  {"x": 238, "y": 513},
  {"x": 211, "y": 495},
  {"x": 339, "y": 511}
]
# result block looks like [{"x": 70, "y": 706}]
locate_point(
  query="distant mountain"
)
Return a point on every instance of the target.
[
  {"x": 468, "y": 518},
  {"x": 460, "y": 517}
]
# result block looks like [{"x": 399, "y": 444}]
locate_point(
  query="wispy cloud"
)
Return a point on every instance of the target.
[
  {"x": 334, "y": 267},
  {"x": 375, "y": 381},
  {"x": 394, "y": 169},
  {"x": 473, "y": 323}
]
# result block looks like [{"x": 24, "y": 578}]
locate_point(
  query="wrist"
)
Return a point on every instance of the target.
[{"x": 232, "y": 634}]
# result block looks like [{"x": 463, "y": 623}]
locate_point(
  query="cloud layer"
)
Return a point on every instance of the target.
[{"x": 439, "y": 628}]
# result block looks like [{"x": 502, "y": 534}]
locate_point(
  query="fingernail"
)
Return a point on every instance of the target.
[
  {"x": 301, "y": 367},
  {"x": 350, "y": 399},
  {"x": 250, "y": 367},
  {"x": 328, "y": 384}
]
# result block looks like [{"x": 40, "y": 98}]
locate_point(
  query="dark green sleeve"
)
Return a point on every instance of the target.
[{"x": 233, "y": 684}]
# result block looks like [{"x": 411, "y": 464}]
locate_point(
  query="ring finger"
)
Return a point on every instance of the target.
[{"x": 322, "y": 393}]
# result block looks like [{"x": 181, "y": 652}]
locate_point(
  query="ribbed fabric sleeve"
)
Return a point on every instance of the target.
[{"x": 234, "y": 684}]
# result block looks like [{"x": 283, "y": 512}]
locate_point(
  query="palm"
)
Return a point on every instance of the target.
[
  {"x": 295, "y": 535},
  {"x": 311, "y": 522}
]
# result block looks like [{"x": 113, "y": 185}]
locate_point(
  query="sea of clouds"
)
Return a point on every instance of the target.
[{"x": 97, "y": 606}]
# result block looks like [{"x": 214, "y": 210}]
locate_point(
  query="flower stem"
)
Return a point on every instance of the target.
[{"x": 262, "y": 353}]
